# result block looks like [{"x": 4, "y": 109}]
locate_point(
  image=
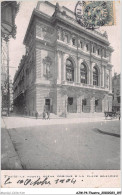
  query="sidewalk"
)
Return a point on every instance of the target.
[
  {"x": 9, "y": 157},
  {"x": 21, "y": 121}
]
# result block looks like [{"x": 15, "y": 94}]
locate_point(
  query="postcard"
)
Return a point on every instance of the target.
[{"x": 60, "y": 97}]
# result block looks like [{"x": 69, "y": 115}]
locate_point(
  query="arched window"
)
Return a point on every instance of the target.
[
  {"x": 69, "y": 70},
  {"x": 83, "y": 73},
  {"x": 95, "y": 76}
]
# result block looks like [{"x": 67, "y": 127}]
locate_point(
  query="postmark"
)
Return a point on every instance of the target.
[{"x": 94, "y": 14}]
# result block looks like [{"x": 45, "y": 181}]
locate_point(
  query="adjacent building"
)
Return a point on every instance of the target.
[
  {"x": 9, "y": 10},
  {"x": 66, "y": 69},
  {"x": 116, "y": 92}
]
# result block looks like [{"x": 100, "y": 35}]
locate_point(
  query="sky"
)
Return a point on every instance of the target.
[{"x": 17, "y": 48}]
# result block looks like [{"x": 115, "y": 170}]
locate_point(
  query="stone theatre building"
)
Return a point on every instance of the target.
[{"x": 66, "y": 69}]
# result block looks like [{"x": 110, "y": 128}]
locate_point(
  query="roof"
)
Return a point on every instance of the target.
[{"x": 46, "y": 11}]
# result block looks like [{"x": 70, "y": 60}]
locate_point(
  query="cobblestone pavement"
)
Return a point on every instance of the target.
[{"x": 66, "y": 143}]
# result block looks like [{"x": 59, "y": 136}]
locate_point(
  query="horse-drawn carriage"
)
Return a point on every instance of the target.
[{"x": 112, "y": 114}]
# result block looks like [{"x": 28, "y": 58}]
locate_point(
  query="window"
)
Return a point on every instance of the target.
[
  {"x": 70, "y": 100},
  {"x": 96, "y": 102},
  {"x": 83, "y": 73},
  {"x": 87, "y": 47},
  {"x": 66, "y": 38},
  {"x": 98, "y": 52},
  {"x": 47, "y": 105},
  {"x": 118, "y": 92},
  {"x": 93, "y": 49},
  {"x": 84, "y": 102},
  {"x": 73, "y": 41},
  {"x": 118, "y": 99},
  {"x": 95, "y": 76},
  {"x": 69, "y": 70},
  {"x": 81, "y": 44},
  {"x": 104, "y": 53}
]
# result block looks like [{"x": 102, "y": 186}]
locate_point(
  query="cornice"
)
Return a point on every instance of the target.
[{"x": 75, "y": 26}]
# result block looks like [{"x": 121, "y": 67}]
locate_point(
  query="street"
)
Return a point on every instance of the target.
[{"x": 64, "y": 145}]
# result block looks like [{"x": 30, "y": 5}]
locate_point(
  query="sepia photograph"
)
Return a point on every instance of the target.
[{"x": 60, "y": 85}]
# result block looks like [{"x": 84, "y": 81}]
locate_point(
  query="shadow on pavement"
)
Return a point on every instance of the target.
[{"x": 107, "y": 133}]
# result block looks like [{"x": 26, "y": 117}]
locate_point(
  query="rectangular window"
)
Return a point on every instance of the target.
[
  {"x": 104, "y": 53},
  {"x": 81, "y": 44},
  {"x": 66, "y": 38},
  {"x": 118, "y": 99},
  {"x": 87, "y": 47},
  {"x": 98, "y": 52},
  {"x": 73, "y": 41},
  {"x": 84, "y": 102},
  {"x": 96, "y": 102},
  {"x": 93, "y": 49},
  {"x": 70, "y": 100}
]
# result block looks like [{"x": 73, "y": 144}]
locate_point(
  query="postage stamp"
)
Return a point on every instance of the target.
[{"x": 93, "y": 14}]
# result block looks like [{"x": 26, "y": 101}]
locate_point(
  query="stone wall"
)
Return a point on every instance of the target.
[{"x": 30, "y": 102}]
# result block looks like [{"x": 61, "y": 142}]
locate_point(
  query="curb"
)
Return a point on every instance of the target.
[{"x": 9, "y": 157}]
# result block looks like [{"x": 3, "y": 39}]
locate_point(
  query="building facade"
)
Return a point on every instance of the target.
[
  {"x": 9, "y": 11},
  {"x": 66, "y": 69},
  {"x": 116, "y": 92}
]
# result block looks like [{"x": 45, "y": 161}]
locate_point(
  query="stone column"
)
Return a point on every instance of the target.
[
  {"x": 92, "y": 104},
  {"x": 105, "y": 76},
  {"x": 91, "y": 73},
  {"x": 110, "y": 80},
  {"x": 103, "y": 104},
  {"x": 63, "y": 64},
  {"x": 39, "y": 65},
  {"x": 70, "y": 40},
  {"x": 58, "y": 33},
  {"x": 110, "y": 103},
  {"x": 78, "y": 104},
  {"x": 78, "y": 71},
  {"x": 58, "y": 66},
  {"x": 102, "y": 76},
  {"x": 66, "y": 105},
  {"x": 88, "y": 76},
  {"x": 75, "y": 74}
]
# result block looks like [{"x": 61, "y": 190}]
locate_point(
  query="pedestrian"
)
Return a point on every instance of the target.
[
  {"x": 48, "y": 114},
  {"x": 36, "y": 115},
  {"x": 119, "y": 115},
  {"x": 44, "y": 114},
  {"x": 25, "y": 111}
]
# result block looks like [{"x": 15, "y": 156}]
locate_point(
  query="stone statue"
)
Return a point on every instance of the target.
[
  {"x": 105, "y": 35},
  {"x": 57, "y": 7}
]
